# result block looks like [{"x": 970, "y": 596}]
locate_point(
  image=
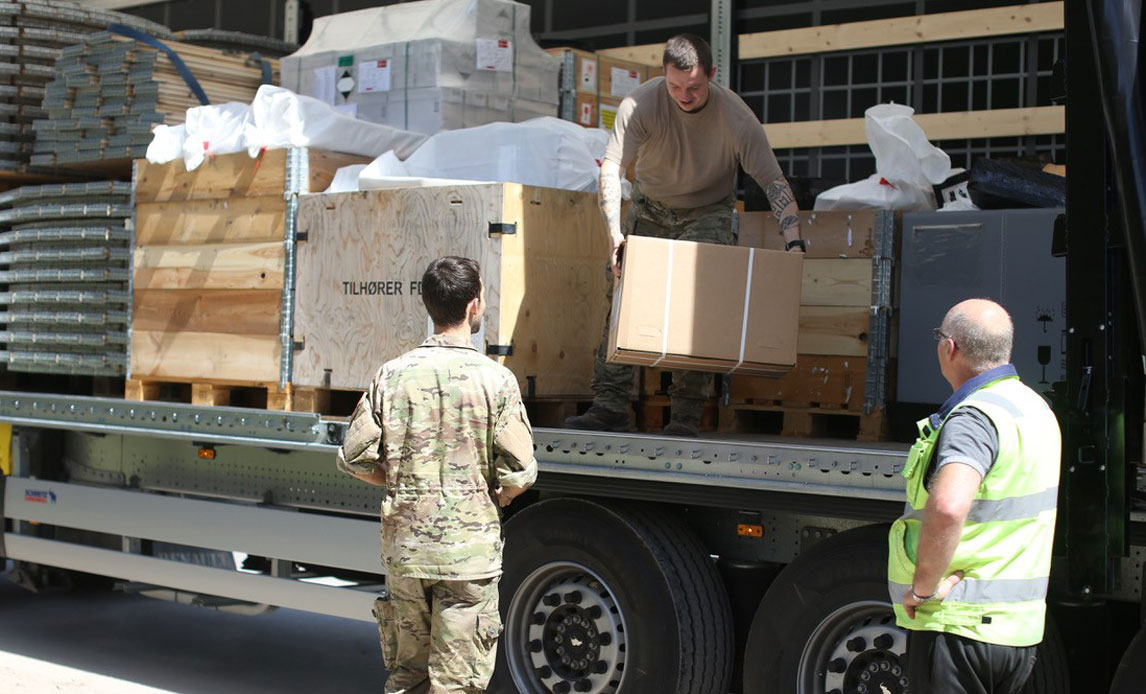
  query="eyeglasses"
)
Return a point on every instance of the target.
[{"x": 939, "y": 335}]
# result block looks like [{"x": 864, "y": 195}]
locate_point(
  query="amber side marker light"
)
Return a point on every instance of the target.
[
  {"x": 749, "y": 530},
  {"x": 206, "y": 453}
]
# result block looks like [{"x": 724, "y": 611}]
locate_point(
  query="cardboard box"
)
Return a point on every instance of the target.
[
  {"x": 618, "y": 77},
  {"x": 579, "y": 70},
  {"x": 706, "y": 307}
]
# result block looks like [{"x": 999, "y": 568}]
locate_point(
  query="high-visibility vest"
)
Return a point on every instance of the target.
[{"x": 1005, "y": 547}]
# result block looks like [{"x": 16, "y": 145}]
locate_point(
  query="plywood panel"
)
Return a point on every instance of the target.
[
  {"x": 241, "y": 312},
  {"x": 545, "y": 283},
  {"x": 204, "y": 356},
  {"x": 836, "y": 282},
  {"x": 221, "y": 266},
  {"x": 357, "y": 299},
  {"x": 553, "y": 288},
  {"x": 211, "y": 221},
  {"x": 830, "y": 330},
  {"x": 828, "y": 234}
]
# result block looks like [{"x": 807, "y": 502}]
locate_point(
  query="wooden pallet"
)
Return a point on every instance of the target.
[
  {"x": 259, "y": 396},
  {"x": 804, "y": 421},
  {"x": 654, "y": 412}
]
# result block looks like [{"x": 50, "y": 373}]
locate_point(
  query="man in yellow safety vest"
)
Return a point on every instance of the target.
[{"x": 970, "y": 559}]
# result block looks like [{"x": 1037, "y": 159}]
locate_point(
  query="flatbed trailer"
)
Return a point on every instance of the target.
[
  {"x": 645, "y": 564},
  {"x": 695, "y": 556}
]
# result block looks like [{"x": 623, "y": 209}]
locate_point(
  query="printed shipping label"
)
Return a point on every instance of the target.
[
  {"x": 586, "y": 114},
  {"x": 608, "y": 116},
  {"x": 324, "y": 81},
  {"x": 588, "y": 75},
  {"x": 374, "y": 76},
  {"x": 623, "y": 81},
  {"x": 495, "y": 55}
]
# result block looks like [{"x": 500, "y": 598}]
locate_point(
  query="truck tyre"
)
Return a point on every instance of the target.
[
  {"x": 1131, "y": 671},
  {"x": 609, "y": 599},
  {"x": 826, "y": 625}
]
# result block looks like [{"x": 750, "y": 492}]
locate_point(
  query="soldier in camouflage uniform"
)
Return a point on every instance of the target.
[
  {"x": 443, "y": 429},
  {"x": 687, "y": 137}
]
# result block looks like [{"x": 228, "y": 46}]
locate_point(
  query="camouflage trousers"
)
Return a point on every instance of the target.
[
  {"x": 438, "y": 637},
  {"x": 612, "y": 383}
]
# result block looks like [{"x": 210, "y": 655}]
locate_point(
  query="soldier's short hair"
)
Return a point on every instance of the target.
[
  {"x": 686, "y": 51},
  {"x": 448, "y": 286}
]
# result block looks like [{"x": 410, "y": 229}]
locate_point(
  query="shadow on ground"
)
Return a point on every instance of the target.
[{"x": 191, "y": 650}]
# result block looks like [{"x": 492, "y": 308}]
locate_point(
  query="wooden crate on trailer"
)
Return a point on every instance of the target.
[
  {"x": 844, "y": 349},
  {"x": 542, "y": 251},
  {"x": 210, "y": 269}
]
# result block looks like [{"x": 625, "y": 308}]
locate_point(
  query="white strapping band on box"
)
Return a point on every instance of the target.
[
  {"x": 747, "y": 302},
  {"x": 668, "y": 306}
]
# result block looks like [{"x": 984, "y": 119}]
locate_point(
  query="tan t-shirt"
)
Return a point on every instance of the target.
[{"x": 687, "y": 160}]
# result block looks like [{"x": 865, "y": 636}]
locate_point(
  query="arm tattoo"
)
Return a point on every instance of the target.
[
  {"x": 784, "y": 207},
  {"x": 610, "y": 199}
]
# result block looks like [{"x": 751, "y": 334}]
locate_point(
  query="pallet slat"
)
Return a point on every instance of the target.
[
  {"x": 204, "y": 356},
  {"x": 221, "y": 266},
  {"x": 251, "y": 312},
  {"x": 234, "y": 220}
]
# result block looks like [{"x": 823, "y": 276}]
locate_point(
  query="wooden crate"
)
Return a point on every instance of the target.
[
  {"x": 543, "y": 254},
  {"x": 844, "y": 345},
  {"x": 209, "y": 262}
]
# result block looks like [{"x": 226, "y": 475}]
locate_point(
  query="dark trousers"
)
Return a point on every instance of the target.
[{"x": 947, "y": 664}]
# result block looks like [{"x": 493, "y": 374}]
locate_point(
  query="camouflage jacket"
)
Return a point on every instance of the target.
[{"x": 447, "y": 426}]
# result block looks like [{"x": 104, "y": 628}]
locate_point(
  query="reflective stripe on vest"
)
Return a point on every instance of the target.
[
  {"x": 1014, "y": 508},
  {"x": 1005, "y": 547}
]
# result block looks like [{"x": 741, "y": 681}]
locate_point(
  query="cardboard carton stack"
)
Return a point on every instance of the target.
[
  {"x": 428, "y": 66},
  {"x": 593, "y": 85}
]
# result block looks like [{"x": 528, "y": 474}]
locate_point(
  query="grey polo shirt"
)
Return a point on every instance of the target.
[{"x": 968, "y": 437}]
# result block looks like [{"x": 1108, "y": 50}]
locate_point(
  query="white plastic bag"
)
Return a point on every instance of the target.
[
  {"x": 902, "y": 151},
  {"x": 875, "y": 193},
  {"x": 166, "y": 143},
  {"x": 906, "y": 166},
  {"x": 212, "y": 130},
  {"x": 280, "y": 118},
  {"x": 547, "y": 152}
]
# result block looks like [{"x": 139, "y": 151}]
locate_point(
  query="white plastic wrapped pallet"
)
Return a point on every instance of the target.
[
  {"x": 281, "y": 118},
  {"x": 276, "y": 119},
  {"x": 428, "y": 66},
  {"x": 547, "y": 152}
]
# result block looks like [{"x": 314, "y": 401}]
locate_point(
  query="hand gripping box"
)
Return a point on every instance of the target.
[{"x": 706, "y": 307}]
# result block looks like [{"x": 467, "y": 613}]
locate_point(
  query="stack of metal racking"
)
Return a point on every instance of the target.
[
  {"x": 32, "y": 34},
  {"x": 65, "y": 270}
]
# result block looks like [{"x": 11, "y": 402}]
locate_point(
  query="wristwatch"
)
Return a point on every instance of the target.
[
  {"x": 923, "y": 598},
  {"x": 797, "y": 242}
]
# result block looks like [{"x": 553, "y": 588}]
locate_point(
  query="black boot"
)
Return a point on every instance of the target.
[{"x": 599, "y": 419}]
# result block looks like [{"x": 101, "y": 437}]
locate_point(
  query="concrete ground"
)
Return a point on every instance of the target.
[{"x": 103, "y": 642}]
